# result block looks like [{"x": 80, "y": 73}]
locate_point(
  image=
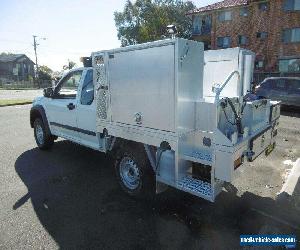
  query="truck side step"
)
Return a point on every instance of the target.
[{"x": 197, "y": 187}]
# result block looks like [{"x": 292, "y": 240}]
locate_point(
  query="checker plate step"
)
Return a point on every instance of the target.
[{"x": 196, "y": 186}]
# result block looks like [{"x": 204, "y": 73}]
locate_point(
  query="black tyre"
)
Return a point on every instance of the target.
[
  {"x": 133, "y": 170},
  {"x": 42, "y": 138}
]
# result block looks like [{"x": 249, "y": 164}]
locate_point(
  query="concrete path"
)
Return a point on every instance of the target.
[{"x": 292, "y": 179}]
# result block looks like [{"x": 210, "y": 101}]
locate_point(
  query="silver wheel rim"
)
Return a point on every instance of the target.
[
  {"x": 39, "y": 134},
  {"x": 129, "y": 173}
]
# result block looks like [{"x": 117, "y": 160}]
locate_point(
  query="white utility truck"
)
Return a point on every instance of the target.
[{"x": 170, "y": 113}]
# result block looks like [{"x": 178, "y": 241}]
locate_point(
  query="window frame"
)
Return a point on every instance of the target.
[
  {"x": 290, "y": 40},
  {"x": 223, "y": 37},
  {"x": 246, "y": 42},
  {"x": 287, "y": 9},
  {"x": 196, "y": 23},
  {"x": 259, "y": 35},
  {"x": 242, "y": 13},
  {"x": 224, "y": 12},
  {"x": 257, "y": 61},
  {"x": 289, "y": 59},
  {"x": 267, "y": 5},
  {"x": 57, "y": 88},
  {"x": 201, "y": 24},
  {"x": 86, "y": 84}
]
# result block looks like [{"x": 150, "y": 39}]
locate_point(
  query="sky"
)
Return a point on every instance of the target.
[{"x": 72, "y": 28}]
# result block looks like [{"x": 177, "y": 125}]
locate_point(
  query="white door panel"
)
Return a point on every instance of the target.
[
  {"x": 62, "y": 108},
  {"x": 62, "y": 120},
  {"x": 87, "y": 125},
  {"x": 86, "y": 112}
]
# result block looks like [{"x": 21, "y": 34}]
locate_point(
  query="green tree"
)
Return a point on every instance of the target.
[
  {"x": 45, "y": 73},
  {"x": 70, "y": 65},
  {"x": 146, "y": 20}
]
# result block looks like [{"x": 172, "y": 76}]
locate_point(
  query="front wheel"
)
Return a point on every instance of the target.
[
  {"x": 134, "y": 171},
  {"x": 42, "y": 138}
]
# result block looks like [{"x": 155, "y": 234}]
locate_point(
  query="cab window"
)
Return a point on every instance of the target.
[
  {"x": 280, "y": 84},
  {"x": 274, "y": 84},
  {"x": 294, "y": 86},
  {"x": 268, "y": 84},
  {"x": 68, "y": 86},
  {"x": 87, "y": 92}
]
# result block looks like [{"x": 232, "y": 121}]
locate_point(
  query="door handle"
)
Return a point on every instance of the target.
[{"x": 71, "y": 106}]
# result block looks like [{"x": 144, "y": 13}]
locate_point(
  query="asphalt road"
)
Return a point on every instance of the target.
[{"x": 68, "y": 198}]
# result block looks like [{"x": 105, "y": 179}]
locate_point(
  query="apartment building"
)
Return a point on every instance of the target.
[{"x": 269, "y": 28}]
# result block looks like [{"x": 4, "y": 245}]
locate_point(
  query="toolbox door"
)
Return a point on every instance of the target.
[{"x": 142, "y": 87}]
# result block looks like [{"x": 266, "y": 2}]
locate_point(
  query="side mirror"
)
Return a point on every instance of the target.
[{"x": 49, "y": 92}]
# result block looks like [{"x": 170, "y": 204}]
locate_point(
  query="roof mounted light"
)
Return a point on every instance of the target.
[{"x": 172, "y": 30}]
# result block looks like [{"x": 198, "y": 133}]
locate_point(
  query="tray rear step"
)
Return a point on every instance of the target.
[{"x": 196, "y": 187}]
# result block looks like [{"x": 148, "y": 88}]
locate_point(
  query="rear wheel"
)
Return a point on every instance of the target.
[
  {"x": 134, "y": 171},
  {"x": 42, "y": 138}
]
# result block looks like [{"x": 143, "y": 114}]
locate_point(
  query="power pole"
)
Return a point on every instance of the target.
[
  {"x": 35, "y": 44},
  {"x": 36, "y": 61}
]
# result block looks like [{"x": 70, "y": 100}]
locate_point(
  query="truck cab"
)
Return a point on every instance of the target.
[{"x": 70, "y": 107}]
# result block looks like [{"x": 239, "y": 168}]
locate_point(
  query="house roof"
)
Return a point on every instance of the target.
[
  {"x": 11, "y": 57},
  {"x": 219, "y": 5}
]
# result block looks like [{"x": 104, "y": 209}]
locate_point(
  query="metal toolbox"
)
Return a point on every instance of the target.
[
  {"x": 219, "y": 64},
  {"x": 153, "y": 85}
]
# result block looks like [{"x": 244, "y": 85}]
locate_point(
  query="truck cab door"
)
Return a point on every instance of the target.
[
  {"x": 61, "y": 108},
  {"x": 86, "y": 111}
]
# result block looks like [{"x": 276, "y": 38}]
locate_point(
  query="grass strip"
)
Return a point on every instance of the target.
[{"x": 12, "y": 102}]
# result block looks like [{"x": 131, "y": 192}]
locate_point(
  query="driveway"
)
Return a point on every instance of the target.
[{"x": 68, "y": 198}]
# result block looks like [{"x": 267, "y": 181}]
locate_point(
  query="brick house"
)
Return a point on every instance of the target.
[
  {"x": 16, "y": 67},
  {"x": 269, "y": 28}
]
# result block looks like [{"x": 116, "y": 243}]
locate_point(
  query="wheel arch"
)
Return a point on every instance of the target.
[
  {"x": 38, "y": 111},
  {"x": 136, "y": 151},
  {"x": 150, "y": 150}
]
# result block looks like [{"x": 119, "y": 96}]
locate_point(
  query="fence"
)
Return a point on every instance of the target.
[
  {"x": 258, "y": 77},
  {"x": 25, "y": 84}
]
